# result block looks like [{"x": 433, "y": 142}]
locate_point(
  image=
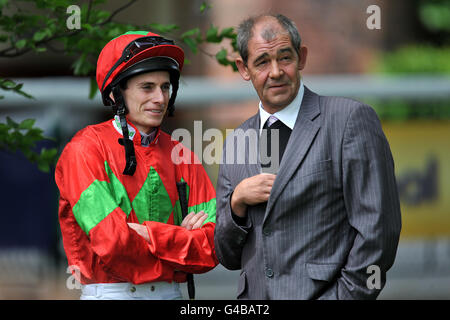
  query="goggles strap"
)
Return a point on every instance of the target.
[{"x": 128, "y": 53}]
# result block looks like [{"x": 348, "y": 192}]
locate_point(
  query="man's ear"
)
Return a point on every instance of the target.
[
  {"x": 303, "y": 53},
  {"x": 242, "y": 68}
]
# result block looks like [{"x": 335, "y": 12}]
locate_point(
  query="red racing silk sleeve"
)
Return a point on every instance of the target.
[
  {"x": 189, "y": 250},
  {"x": 185, "y": 250},
  {"x": 94, "y": 211}
]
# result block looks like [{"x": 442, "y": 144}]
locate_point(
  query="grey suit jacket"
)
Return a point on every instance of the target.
[{"x": 333, "y": 216}]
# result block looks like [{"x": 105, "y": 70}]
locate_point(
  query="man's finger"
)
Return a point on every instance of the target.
[
  {"x": 200, "y": 221},
  {"x": 186, "y": 219},
  {"x": 194, "y": 220},
  {"x": 140, "y": 230},
  {"x": 268, "y": 176}
]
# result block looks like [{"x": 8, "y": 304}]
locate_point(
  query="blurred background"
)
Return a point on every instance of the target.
[{"x": 402, "y": 69}]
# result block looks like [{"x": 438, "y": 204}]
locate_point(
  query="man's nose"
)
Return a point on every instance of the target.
[
  {"x": 158, "y": 96},
  {"x": 275, "y": 71}
]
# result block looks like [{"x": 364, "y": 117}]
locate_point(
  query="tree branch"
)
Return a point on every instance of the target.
[
  {"x": 89, "y": 11},
  {"x": 19, "y": 52},
  {"x": 116, "y": 12}
]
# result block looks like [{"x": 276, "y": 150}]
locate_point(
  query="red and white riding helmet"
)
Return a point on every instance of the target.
[{"x": 137, "y": 52}]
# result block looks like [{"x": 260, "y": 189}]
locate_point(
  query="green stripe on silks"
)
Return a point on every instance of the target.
[
  {"x": 143, "y": 33},
  {"x": 208, "y": 208},
  {"x": 99, "y": 200},
  {"x": 177, "y": 217},
  {"x": 153, "y": 203}
]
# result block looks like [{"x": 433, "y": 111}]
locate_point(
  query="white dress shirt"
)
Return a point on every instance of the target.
[{"x": 287, "y": 115}]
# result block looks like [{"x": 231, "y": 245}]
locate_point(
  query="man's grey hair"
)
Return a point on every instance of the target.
[{"x": 244, "y": 33}]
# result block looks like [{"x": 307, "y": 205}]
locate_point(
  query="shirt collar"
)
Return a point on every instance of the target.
[
  {"x": 142, "y": 138},
  {"x": 287, "y": 115},
  {"x": 146, "y": 139},
  {"x": 118, "y": 127}
]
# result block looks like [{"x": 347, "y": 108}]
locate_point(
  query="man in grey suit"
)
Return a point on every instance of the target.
[{"x": 325, "y": 223}]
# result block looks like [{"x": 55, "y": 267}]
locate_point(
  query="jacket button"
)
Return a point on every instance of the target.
[
  {"x": 266, "y": 231},
  {"x": 269, "y": 273},
  {"x": 133, "y": 289},
  {"x": 152, "y": 288}
]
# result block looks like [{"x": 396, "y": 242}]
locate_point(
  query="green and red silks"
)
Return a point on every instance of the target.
[{"x": 97, "y": 201}]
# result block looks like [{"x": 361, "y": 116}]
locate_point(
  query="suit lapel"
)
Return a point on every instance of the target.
[{"x": 302, "y": 136}]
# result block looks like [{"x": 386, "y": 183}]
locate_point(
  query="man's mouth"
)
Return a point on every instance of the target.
[
  {"x": 155, "y": 111},
  {"x": 276, "y": 86}
]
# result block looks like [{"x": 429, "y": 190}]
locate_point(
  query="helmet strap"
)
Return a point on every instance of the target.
[
  {"x": 171, "y": 105},
  {"x": 130, "y": 156}
]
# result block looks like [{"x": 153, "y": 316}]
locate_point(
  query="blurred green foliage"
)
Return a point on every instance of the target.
[
  {"x": 428, "y": 56},
  {"x": 435, "y": 14},
  {"x": 416, "y": 59},
  {"x": 23, "y": 136},
  {"x": 402, "y": 110}
]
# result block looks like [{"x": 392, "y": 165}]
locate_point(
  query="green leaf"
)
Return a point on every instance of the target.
[
  {"x": 40, "y": 35},
  {"x": 40, "y": 49},
  {"x": 212, "y": 35},
  {"x": 190, "y": 33},
  {"x": 46, "y": 158},
  {"x": 163, "y": 28},
  {"x": 204, "y": 6},
  {"x": 82, "y": 66},
  {"x": 27, "y": 124},
  {"x": 10, "y": 122},
  {"x": 43, "y": 166},
  {"x": 234, "y": 43},
  {"x": 7, "y": 84},
  {"x": 101, "y": 16},
  {"x": 435, "y": 16},
  {"x": 87, "y": 26},
  {"x": 24, "y": 94},
  {"x": 48, "y": 154},
  {"x": 192, "y": 44},
  {"x": 21, "y": 44},
  {"x": 221, "y": 57},
  {"x": 93, "y": 88},
  {"x": 190, "y": 37},
  {"x": 10, "y": 85},
  {"x": 35, "y": 134},
  {"x": 3, "y": 3},
  {"x": 228, "y": 33}
]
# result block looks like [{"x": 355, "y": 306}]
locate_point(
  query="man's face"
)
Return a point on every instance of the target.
[
  {"x": 147, "y": 97},
  {"x": 273, "y": 66}
]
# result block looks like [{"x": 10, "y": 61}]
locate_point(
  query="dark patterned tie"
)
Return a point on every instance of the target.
[{"x": 284, "y": 133}]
